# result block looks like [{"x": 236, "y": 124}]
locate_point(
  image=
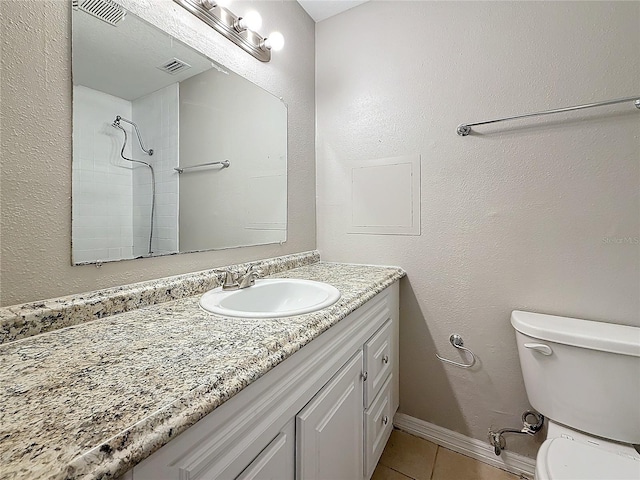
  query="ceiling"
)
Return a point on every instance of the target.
[
  {"x": 123, "y": 60},
  {"x": 322, "y": 9},
  {"x": 98, "y": 61}
]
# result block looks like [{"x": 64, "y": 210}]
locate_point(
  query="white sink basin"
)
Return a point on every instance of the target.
[{"x": 271, "y": 298}]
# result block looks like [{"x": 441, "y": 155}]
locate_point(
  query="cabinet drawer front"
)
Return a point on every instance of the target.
[
  {"x": 378, "y": 360},
  {"x": 378, "y": 420}
]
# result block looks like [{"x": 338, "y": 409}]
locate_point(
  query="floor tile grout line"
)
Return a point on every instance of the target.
[
  {"x": 435, "y": 460},
  {"x": 398, "y": 471}
]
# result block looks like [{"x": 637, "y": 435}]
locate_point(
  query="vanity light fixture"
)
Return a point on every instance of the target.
[
  {"x": 209, "y": 4},
  {"x": 252, "y": 21},
  {"x": 275, "y": 42},
  {"x": 240, "y": 30}
]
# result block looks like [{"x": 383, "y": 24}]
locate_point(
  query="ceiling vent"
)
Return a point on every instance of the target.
[
  {"x": 106, "y": 10},
  {"x": 173, "y": 66}
]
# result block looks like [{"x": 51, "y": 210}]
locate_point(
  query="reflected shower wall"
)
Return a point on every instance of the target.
[
  {"x": 112, "y": 197},
  {"x": 157, "y": 117},
  {"x": 226, "y": 119},
  {"x": 102, "y": 183}
]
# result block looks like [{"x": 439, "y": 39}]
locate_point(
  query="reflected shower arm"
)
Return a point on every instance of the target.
[{"x": 116, "y": 123}]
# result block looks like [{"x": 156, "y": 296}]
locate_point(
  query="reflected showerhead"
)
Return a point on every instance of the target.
[{"x": 116, "y": 124}]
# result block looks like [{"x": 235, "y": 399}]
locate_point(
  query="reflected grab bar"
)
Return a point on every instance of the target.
[
  {"x": 224, "y": 163},
  {"x": 456, "y": 341}
]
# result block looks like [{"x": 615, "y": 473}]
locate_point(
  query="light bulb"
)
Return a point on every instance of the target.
[
  {"x": 252, "y": 20},
  {"x": 275, "y": 41}
]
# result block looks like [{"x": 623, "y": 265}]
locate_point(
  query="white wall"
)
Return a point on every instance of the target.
[
  {"x": 224, "y": 117},
  {"x": 156, "y": 115},
  {"x": 524, "y": 215},
  {"x": 102, "y": 182},
  {"x": 35, "y": 155}
]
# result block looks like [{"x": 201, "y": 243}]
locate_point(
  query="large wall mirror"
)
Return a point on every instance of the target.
[{"x": 172, "y": 152}]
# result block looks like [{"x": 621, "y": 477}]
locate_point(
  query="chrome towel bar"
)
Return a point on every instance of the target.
[
  {"x": 464, "y": 129},
  {"x": 456, "y": 341},
  {"x": 224, "y": 163}
]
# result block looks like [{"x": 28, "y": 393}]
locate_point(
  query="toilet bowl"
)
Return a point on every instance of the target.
[
  {"x": 567, "y": 454},
  {"x": 584, "y": 376}
]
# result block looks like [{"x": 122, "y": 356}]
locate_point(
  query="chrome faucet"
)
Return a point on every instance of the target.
[
  {"x": 233, "y": 280},
  {"x": 228, "y": 278},
  {"x": 249, "y": 277}
]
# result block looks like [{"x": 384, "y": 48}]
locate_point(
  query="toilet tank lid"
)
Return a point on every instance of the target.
[{"x": 607, "y": 337}]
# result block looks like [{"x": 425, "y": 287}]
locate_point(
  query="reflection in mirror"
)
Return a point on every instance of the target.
[{"x": 171, "y": 152}]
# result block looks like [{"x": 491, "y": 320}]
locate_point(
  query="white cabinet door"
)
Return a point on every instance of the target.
[
  {"x": 329, "y": 430},
  {"x": 276, "y": 461}
]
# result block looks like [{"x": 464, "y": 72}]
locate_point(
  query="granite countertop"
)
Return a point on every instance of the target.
[{"x": 94, "y": 399}]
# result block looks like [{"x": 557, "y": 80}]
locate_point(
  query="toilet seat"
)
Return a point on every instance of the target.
[{"x": 563, "y": 459}]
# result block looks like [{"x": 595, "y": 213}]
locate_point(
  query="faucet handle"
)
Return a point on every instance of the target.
[
  {"x": 228, "y": 278},
  {"x": 249, "y": 277},
  {"x": 254, "y": 270}
]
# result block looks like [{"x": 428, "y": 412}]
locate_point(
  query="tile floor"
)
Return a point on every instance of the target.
[{"x": 411, "y": 458}]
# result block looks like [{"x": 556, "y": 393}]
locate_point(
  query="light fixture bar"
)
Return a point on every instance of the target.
[{"x": 225, "y": 22}]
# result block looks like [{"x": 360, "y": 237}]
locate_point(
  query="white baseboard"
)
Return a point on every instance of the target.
[{"x": 477, "y": 449}]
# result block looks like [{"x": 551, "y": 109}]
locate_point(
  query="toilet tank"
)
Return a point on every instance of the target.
[{"x": 581, "y": 373}]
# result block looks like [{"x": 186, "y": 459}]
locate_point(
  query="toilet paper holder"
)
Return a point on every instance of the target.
[{"x": 457, "y": 342}]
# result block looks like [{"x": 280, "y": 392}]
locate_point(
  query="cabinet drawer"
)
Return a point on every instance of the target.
[
  {"x": 378, "y": 423},
  {"x": 378, "y": 360}
]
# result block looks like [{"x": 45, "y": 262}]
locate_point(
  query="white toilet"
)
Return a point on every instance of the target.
[{"x": 584, "y": 376}]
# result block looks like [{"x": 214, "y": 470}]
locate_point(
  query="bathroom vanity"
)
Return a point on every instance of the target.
[
  {"x": 155, "y": 387},
  {"x": 325, "y": 412}
]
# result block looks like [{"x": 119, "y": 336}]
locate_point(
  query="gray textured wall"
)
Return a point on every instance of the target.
[
  {"x": 522, "y": 215},
  {"x": 35, "y": 107}
]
